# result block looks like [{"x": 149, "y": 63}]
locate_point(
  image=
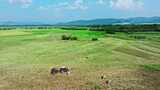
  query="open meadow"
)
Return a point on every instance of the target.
[{"x": 131, "y": 61}]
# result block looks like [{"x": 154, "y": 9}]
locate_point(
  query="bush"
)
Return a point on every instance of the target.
[
  {"x": 94, "y": 39},
  {"x": 74, "y": 38},
  {"x": 65, "y": 37},
  {"x": 140, "y": 37},
  {"x": 153, "y": 67},
  {"x": 110, "y": 31}
]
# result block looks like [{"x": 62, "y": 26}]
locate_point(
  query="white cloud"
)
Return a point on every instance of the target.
[
  {"x": 42, "y": 8},
  {"x": 101, "y": 1},
  {"x": 23, "y": 3},
  {"x": 126, "y": 4},
  {"x": 78, "y": 4},
  {"x": 59, "y": 9},
  {"x": 75, "y": 5}
]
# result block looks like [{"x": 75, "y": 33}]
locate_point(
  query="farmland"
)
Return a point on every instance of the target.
[{"x": 130, "y": 60}]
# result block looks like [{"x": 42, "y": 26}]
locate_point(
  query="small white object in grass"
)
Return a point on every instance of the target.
[
  {"x": 108, "y": 82},
  {"x": 63, "y": 67},
  {"x": 68, "y": 72}
]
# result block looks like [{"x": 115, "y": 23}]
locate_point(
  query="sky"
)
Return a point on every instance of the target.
[{"x": 69, "y": 10}]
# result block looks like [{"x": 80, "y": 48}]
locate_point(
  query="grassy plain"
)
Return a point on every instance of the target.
[{"x": 26, "y": 57}]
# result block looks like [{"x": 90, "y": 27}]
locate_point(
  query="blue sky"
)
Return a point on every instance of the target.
[{"x": 69, "y": 10}]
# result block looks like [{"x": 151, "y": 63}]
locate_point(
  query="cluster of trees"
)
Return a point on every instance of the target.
[
  {"x": 108, "y": 28},
  {"x": 73, "y": 27},
  {"x": 69, "y": 37},
  {"x": 126, "y": 28},
  {"x": 7, "y": 28},
  {"x": 39, "y": 27},
  {"x": 12, "y": 27}
]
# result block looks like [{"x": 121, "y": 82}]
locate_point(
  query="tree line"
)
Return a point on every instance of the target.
[{"x": 126, "y": 28}]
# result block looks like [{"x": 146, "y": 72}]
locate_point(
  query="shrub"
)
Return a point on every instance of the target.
[
  {"x": 65, "y": 37},
  {"x": 94, "y": 39},
  {"x": 153, "y": 67},
  {"x": 140, "y": 37},
  {"x": 69, "y": 37},
  {"x": 110, "y": 31},
  {"x": 74, "y": 38}
]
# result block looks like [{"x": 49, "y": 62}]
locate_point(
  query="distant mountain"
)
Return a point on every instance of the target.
[
  {"x": 136, "y": 20},
  {"x": 20, "y": 23}
]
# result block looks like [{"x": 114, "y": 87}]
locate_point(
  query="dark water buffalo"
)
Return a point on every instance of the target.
[
  {"x": 64, "y": 70},
  {"x": 61, "y": 70},
  {"x": 54, "y": 71}
]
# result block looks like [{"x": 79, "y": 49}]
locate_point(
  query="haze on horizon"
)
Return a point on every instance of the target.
[{"x": 68, "y": 10}]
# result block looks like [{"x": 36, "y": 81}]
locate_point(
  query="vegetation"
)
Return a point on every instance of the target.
[
  {"x": 74, "y": 38},
  {"x": 94, "y": 39},
  {"x": 152, "y": 67},
  {"x": 65, "y": 37},
  {"x": 129, "y": 59},
  {"x": 69, "y": 37},
  {"x": 111, "y": 29}
]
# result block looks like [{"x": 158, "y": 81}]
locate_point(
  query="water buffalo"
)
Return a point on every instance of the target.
[
  {"x": 61, "y": 70},
  {"x": 54, "y": 71}
]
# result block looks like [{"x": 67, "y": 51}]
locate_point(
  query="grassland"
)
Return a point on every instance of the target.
[{"x": 27, "y": 55}]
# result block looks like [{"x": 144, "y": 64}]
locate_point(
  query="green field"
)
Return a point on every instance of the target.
[{"x": 26, "y": 57}]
